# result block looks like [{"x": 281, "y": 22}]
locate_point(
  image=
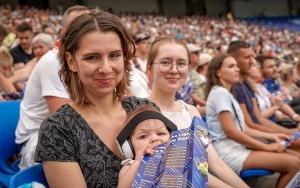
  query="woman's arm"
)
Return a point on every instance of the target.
[
  {"x": 64, "y": 174},
  {"x": 24, "y": 73},
  {"x": 278, "y": 137},
  {"x": 227, "y": 177}
]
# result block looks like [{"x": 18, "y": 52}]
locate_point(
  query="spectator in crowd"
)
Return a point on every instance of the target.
[
  {"x": 244, "y": 56},
  {"x": 44, "y": 94},
  {"x": 149, "y": 129},
  {"x": 41, "y": 44},
  {"x": 271, "y": 106},
  {"x": 167, "y": 69},
  {"x": 50, "y": 31},
  {"x": 270, "y": 75},
  {"x": 230, "y": 135},
  {"x": 288, "y": 77},
  {"x": 23, "y": 53},
  {"x": 79, "y": 139},
  {"x": 3, "y": 34},
  {"x": 8, "y": 91},
  {"x": 138, "y": 83}
]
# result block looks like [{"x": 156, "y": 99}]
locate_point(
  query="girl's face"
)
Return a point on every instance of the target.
[
  {"x": 98, "y": 62},
  {"x": 148, "y": 132},
  {"x": 228, "y": 72},
  {"x": 255, "y": 71},
  {"x": 170, "y": 68},
  {"x": 39, "y": 49}
]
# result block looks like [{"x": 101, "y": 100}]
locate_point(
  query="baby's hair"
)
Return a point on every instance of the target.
[
  {"x": 131, "y": 114},
  {"x": 5, "y": 59}
]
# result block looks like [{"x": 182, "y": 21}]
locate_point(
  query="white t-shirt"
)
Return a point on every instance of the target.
[
  {"x": 139, "y": 83},
  {"x": 43, "y": 81}
]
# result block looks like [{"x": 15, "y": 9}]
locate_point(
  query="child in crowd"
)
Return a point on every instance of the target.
[
  {"x": 6, "y": 71},
  {"x": 146, "y": 128}
]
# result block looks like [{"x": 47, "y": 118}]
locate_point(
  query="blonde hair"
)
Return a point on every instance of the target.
[
  {"x": 5, "y": 58},
  {"x": 286, "y": 70}
]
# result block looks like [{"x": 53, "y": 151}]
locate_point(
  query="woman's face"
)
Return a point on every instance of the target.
[
  {"x": 255, "y": 71},
  {"x": 39, "y": 49},
  {"x": 228, "y": 72},
  {"x": 98, "y": 62},
  {"x": 170, "y": 67}
]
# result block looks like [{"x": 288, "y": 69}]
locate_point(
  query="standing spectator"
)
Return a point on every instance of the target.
[
  {"x": 23, "y": 52},
  {"x": 142, "y": 45}
]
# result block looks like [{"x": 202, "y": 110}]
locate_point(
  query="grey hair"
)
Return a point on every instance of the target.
[{"x": 44, "y": 38}]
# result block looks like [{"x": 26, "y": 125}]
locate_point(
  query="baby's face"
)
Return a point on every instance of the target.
[{"x": 148, "y": 132}]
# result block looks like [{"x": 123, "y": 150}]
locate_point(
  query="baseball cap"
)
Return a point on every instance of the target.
[
  {"x": 141, "y": 36},
  {"x": 193, "y": 48},
  {"x": 204, "y": 58}
]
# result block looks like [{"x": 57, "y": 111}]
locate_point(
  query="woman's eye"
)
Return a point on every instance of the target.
[
  {"x": 165, "y": 63},
  {"x": 115, "y": 55},
  {"x": 91, "y": 58}
]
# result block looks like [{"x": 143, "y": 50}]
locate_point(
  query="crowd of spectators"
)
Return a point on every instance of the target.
[{"x": 277, "y": 53}]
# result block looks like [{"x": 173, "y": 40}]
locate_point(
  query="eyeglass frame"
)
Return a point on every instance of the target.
[{"x": 171, "y": 67}]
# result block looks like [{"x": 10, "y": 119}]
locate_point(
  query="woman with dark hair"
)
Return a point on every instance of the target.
[
  {"x": 231, "y": 137},
  {"x": 77, "y": 143}
]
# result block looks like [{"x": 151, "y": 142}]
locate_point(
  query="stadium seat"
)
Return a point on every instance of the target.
[
  {"x": 255, "y": 173},
  {"x": 250, "y": 172},
  {"x": 9, "y": 116},
  {"x": 31, "y": 174}
]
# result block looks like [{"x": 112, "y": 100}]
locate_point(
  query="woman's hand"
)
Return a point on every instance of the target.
[
  {"x": 276, "y": 147},
  {"x": 279, "y": 137}
]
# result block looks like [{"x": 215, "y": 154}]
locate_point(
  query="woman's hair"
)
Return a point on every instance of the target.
[
  {"x": 157, "y": 44},
  {"x": 95, "y": 20},
  {"x": 44, "y": 38},
  {"x": 211, "y": 75},
  {"x": 286, "y": 71}
]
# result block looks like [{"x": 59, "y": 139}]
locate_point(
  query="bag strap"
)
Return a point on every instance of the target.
[{"x": 237, "y": 116}]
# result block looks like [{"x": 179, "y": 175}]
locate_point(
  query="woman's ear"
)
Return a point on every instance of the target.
[
  {"x": 71, "y": 63},
  {"x": 218, "y": 73}
]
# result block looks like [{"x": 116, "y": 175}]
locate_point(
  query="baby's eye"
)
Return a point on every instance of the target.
[
  {"x": 161, "y": 134},
  {"x": 143, "y": 136}
]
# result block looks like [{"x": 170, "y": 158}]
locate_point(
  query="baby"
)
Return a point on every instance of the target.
[{"x": 146, "y": 129}]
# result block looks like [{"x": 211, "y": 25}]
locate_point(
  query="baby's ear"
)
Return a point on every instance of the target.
[{"x": 71, "y": 62}]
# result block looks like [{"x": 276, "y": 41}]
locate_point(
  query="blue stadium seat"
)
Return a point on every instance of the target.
[
  {"x": 250, "y": 172},
  {"x": 255, "y": 173},
  {"x": 31, "y": 174},
  {"x": 9, "y": 116}
]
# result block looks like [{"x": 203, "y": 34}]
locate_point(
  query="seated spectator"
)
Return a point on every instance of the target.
[
  {"x": 288, "y": 78},
  {"x": 271, "y": 106},
  {"x": 41, "y": 44},
  {"x": 8, "y": 91},
  {"x": 3, "y": 34},
  {"x": 270, "y": 75},
  {"x": 244, "y": 55},
  {"x": 230, "y": 135},
  {"x": 149, "y": 129},
  {"x": 23, "y": 53}
]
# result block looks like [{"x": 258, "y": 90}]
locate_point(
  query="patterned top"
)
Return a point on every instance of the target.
[{"x": 66, "y": 136}]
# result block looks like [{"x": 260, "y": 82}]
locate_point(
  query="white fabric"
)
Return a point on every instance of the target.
[
  {"x": 142, "y": 63},
  {"x": 182, "y": 118},
  {"x": 43, "y": 81},
  {"x": 139, "y": 83},
  {"x": 263, "y": 97}
]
